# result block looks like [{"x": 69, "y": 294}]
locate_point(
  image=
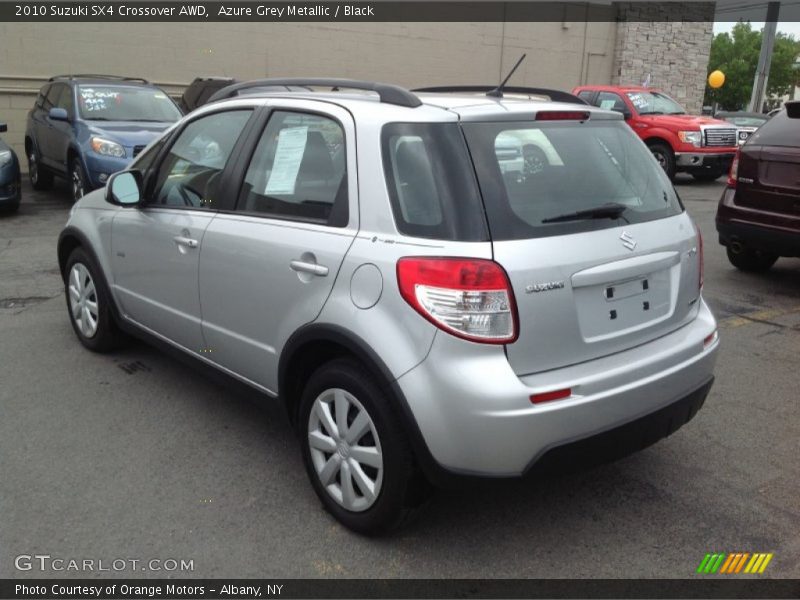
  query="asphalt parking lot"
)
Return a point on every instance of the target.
[{"x": 135, "y": 455}]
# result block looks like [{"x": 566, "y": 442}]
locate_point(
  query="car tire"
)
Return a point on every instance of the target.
[
  {"x": 40, "y": 177},
  {"x": 665, "y": 157},
  {"x": 89, "y": 303},
  {"x": 751, "y": 261},
  {"x": 78, "y": 182},
  {"x": 345, "y": 479}
]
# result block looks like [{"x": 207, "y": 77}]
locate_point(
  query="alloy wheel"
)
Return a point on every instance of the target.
[
  {"x": 83, "y": 300},
  {"x": 345, "y": 449}
]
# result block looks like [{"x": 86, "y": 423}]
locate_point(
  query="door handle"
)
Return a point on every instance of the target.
[
  {"x": 185, "y": 241},
  {"x": 308, "y": 267}
]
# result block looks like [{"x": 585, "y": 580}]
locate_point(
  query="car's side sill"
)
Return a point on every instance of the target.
[{"x": 148, "y": 335}]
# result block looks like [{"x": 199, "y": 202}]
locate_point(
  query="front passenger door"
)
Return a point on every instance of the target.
[{"x": 155, "y": 248}]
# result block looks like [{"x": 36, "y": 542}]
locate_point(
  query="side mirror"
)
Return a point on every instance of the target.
[
  {"x": 124, "y": 188},
  {"x": 625, "y": 112},
  {"x": 3, "y": 127},
  {"x": 58, "y": 114}
]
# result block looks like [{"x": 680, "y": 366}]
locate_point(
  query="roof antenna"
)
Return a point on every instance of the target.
[{"x": 498, "y": 91}]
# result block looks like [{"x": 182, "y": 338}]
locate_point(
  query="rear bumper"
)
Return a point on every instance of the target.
[
  {"x": 759, "y": 230},
  {"x": 475, "y": 416},
  {"x": 704, "y": 160}
]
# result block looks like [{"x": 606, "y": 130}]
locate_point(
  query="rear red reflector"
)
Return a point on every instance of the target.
[
  {"x": 554, "y": 395},
  {"x": 710, "y": 339},
  {"x": 562, "y": 115}
]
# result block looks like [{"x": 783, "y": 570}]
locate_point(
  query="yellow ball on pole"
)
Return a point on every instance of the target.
[{"x": 716, "y": 79}]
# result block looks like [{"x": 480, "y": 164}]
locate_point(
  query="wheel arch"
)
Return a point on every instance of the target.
[
  {"x": 312, "y": 345},
  {"x": 70, "y": 239}
]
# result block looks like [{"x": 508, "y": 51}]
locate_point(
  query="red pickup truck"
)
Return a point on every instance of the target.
[{"x": 701, "y": 146}]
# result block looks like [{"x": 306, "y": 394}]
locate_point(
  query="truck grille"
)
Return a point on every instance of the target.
[
  {"x": 137, "y": 150},
  {"x": 720, "y": 137}
]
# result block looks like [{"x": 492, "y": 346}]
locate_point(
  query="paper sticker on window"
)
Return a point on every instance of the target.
[
  {"x": 638, "y": 100},
  {"x": 288, "y": 156},
  {"x": 607, "y": 104}
]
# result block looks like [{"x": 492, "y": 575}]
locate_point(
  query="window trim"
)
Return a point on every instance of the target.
[
  {"x": 249, "y": 151},
  {"x": 233, "y": 157}
]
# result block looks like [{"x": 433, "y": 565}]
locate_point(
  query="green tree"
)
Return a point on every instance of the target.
[{"x": 736, "y": 55}]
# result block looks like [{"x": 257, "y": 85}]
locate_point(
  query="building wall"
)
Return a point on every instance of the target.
[
  {"x": 674, "y": 55},
  {"x": 560, "y": 55}
]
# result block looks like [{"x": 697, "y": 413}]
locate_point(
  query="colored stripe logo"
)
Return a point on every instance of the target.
[{"x": 734, "y": 562}]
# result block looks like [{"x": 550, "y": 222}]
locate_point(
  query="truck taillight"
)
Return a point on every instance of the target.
[
  {"x": 734, "y": 174},
  {"x": 467, "y": 297}
]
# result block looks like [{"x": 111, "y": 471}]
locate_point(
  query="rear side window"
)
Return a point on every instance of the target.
[
  {"x": 298, "y": 171},
  {"x": 780, "y": 130},
  {"x": 532, "y": 175},
  {"x": 431, "y": 182}
]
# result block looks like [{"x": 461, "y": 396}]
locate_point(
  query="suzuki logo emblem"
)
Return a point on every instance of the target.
[{"x": 628, "y": 241}]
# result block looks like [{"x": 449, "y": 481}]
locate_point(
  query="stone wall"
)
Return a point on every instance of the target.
[{"x": 674, "y": 54}]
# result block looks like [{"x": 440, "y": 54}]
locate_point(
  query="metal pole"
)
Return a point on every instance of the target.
[{"x": 765, "y": 58}]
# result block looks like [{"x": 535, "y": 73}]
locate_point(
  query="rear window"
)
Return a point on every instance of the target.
[
  {"x": 431, "y": 182},
  {"x": 780, "y": 130},
  {"x": 530, "y": 173}
]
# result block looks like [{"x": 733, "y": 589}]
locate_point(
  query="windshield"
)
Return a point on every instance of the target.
[
  {"x": 655, "y": 103},
  {"x": 746, "y": 121},
  {"x": 126, "y": 103},
  {"x": 543, "y": 179}
]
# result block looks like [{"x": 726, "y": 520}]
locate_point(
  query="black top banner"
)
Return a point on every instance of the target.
[
  {"x": 391, "y": 11},
  {"x": 173, "y": 589}
]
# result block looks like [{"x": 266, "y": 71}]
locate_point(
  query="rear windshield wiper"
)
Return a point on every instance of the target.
[{"x": 612, "y": 210}]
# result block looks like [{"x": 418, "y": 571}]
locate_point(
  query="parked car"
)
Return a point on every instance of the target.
[
  {"x": 746, "y": 122},
  {"x": 10, "y": 183},
  {"x": 201, "y": 91},
  {"x": 422, "y": 315},
  {"x": 701, "y": 146},
  {"x": 87, "y": 127},
  {"x": 758, "y": 217}
]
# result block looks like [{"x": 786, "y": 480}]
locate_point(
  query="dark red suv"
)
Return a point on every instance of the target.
[{"x": 758, "y": 218}]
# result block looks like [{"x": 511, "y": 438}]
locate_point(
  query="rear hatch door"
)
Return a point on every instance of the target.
[
  {"x": 769, "y": 168},
  {"x": 589, "y": 279}
]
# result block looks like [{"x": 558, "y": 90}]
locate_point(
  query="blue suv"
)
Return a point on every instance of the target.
[{"x": 86, "y": 127}]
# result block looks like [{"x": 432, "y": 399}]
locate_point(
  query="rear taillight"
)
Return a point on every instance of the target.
[
  {"x": 734, "y": 174},
  {"x": 470, "y": 298}
]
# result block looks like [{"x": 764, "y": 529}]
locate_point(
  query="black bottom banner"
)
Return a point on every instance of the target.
[{"x": 241, "y": 589}]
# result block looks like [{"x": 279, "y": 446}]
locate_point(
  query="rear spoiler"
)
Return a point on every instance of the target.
[{"x": 793, "y": 109}]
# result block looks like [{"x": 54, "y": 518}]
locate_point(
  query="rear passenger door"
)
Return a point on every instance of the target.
[{"x": 268, "y": 266}]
